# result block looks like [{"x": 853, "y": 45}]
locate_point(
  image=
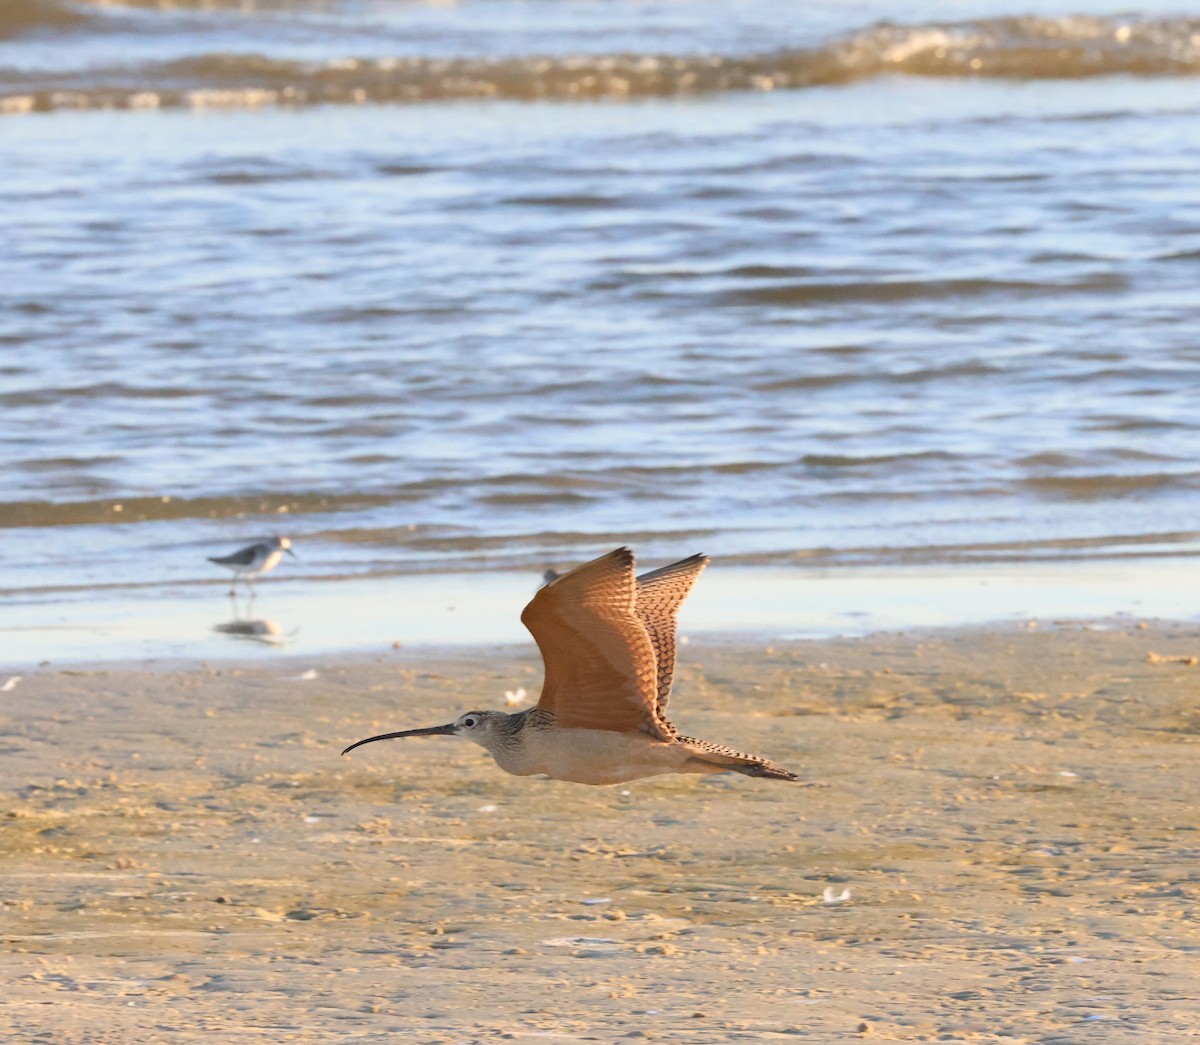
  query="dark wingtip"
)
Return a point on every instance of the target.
[{"x": 624, "y": 555}]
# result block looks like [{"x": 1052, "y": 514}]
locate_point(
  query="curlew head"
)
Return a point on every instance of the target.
[{"x": 478, "y": 726}]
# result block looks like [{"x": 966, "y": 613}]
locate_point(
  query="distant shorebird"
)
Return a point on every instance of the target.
[
  {"x": 608, "y": 642},
  {"x": 254, "y": 559}
]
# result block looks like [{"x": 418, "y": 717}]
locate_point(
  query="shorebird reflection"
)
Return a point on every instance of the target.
[{"x": 251, "y": 629}]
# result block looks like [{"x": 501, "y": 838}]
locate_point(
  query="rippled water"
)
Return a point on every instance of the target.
[{"x": 781, "y": 307}]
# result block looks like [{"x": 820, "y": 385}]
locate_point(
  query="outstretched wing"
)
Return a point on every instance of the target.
[
  {"x": 660, "y": 593},
  {"x": 600, "y": 666}
]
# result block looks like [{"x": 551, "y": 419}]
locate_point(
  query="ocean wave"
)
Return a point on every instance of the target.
[
  {"x": 240, "y": 7},
  {"x": 118, "y": 510},
  {"x": 805, "y": 294},
  {"x": 1025, "y": 48},
  {"x": 19, "y": 17}
]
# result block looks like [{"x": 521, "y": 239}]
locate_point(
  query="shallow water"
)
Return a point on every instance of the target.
[
  {"x": 940, "y": 316},
  {"x": 303, "y": 620}
]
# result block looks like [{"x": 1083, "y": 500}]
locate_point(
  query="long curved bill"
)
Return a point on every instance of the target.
[{"x": 428, "y": 731}]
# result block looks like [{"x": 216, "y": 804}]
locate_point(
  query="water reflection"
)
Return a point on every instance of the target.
[{"x": 249, "y": 628}]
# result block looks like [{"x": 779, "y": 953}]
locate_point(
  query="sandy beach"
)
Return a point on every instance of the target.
[
  {"x": 890, "y": 308},
  {"x": 1003, "y": 847}
]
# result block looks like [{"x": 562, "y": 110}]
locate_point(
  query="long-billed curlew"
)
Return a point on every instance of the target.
[
  {"x": 608, "y": 642},
  {"x": 254, "y": 559}
]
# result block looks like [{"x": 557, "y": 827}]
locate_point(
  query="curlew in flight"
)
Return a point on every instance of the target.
[{"x": 608, "y": 642}]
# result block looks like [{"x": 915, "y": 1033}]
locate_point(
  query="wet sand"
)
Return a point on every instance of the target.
[{"x": 1013, "y": 813}]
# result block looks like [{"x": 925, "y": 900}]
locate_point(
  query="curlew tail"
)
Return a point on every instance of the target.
[{"x": 707, "y": 757}]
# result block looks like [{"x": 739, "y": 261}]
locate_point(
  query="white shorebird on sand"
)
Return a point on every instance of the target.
[
  {"x": 254, "y": 560},
  {"x": 608, "y": 642}
]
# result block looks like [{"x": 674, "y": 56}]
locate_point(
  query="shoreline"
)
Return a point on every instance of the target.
[
  {"x": 308, "y": 618},
  {"x": 1007, "y": 814},
  {"x": 280, "y": 662}
]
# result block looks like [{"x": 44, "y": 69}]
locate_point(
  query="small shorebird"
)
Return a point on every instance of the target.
[
  {"x": 608, "y": 642},
  {"x": 254, "y": 559}
]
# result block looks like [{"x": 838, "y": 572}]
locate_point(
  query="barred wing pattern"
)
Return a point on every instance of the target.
[
  {"x": 601, "y": 671},
  {"x": 660, "y": 593}
]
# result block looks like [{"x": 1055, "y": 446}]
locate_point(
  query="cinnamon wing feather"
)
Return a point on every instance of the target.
[
  {"x": 600, "y": 665},
  {"x": 660, "y": 593}
]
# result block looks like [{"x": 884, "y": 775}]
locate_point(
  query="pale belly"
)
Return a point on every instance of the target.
[
  {"x": 592, "y": 756},
  {"x": 269, "y": 563}
]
